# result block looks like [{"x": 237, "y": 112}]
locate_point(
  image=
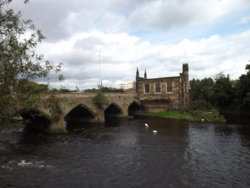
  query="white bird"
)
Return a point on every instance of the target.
[
  {"x": 155, "y": 131},
  {"x": 23, "y": 163},
  {"x": 202, "y": 120},
  {"x": 146, "y": 125}
]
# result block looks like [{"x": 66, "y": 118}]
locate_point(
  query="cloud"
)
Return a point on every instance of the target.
[
  {"x": 122, "y": 53},
  {"x": 96, "y": 40},
  {"x": 61, "y": 19},
  {"x": 164, "y": 15},
  {"x": 244, "y": 20}
]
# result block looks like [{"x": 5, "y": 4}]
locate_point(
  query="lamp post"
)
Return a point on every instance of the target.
[{"x": 99, "y": 68}]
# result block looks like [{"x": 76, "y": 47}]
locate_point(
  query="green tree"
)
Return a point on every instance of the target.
[
  {"x": 19, "y": 62},
  {"x": 61, "y": 78},
  {"x": 201, "y": 93},
  {"x": 223, "y": 91},
  {"x": 105, "y": 89},
  {"x": 243, "y": 90}
]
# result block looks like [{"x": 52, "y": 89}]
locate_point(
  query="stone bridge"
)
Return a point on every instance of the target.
[
  {"x": 152, "y": 94},
  {"x": 80, "y": 107}
]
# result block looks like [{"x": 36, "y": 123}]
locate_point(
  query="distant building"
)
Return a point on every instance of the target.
[
  {"x": 166, "y": 93},
  {"x": 126, "y": 86}
]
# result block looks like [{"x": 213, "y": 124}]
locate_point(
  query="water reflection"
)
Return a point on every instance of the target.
[
  {"x": 216, "y": 153},
  {"x": 125, "y": 153}
]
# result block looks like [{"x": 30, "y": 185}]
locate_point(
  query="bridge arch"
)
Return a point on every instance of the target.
[
  {"x": 79, "y": 117},
  {"x": 134, "y": 108},
  {"x": 113, "y": 111},
  {"x": 35, "y": 120}
]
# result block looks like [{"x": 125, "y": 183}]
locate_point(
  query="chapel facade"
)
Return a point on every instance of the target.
[{"x": 165, "y": 93}]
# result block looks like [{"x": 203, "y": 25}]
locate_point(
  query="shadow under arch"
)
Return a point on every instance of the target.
[
  {"x": 35, "y": 120},
  {"x": 134, "y": 108},
  {"x": 79, "y": 117},
  {"x": 112, "y": 112}
]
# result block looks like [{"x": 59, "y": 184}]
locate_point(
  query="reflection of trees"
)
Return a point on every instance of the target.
[
  {"x": 242, "y": 132},
  {"x": 223, "y": 130}
]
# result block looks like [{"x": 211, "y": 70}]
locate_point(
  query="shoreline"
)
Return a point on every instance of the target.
[{"x": 212, "y": 116}]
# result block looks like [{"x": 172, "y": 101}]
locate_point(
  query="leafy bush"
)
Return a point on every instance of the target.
[
  {"x": 100, "y": 100},
  {"x": 54, "y": 107},
  {"x": 200, "y": 105}
]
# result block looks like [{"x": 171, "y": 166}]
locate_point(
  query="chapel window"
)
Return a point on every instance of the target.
[
  {"x": 146, "y": 88},
  {"x": 157, "y": 87},
  {"x": 169, "y": 86}
]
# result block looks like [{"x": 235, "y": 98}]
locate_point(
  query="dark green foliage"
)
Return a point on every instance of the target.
[
  {"x": 201, "y": 93},
  {"x": 110, "y": 89},
  {"x": 64, "y": 90},
  {"x": 200, "y": 105},
  {"x": 27, "y": 86},
  {"x": 243, "y": 90},
  {"x": 100, "y": 100},
  {"x": 221, "y": 93},
  {"x": 54, "y": 107},
  {"x": 61, "y": 90},
  {"x": 104, "y": 89}
]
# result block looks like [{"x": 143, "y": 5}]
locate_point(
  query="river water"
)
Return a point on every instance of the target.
[{"x": 126, "y": 154}]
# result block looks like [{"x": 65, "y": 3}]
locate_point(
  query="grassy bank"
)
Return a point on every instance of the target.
[{"x": 198, "y": 115}]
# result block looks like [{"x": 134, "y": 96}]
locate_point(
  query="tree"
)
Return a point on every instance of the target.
[
  {"x": 19, "y": 62},
  {"x": 223, "y": 91},
  {"x": 61, "y": 78},
  {"x": 201, "y": 92},
  {"x": 105, "y": 90},
  {"x": 243, "y": 90}
]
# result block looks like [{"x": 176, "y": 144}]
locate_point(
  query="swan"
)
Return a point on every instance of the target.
[
  {"x": 155, "y": 131},
  {"x": 23, "y": 163},
  {"x": 146, "y": 125}
]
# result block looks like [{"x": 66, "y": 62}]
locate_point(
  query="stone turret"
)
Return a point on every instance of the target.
[
  {"x": 145, "y": 74},
  {"x": 137, "y": 73},
  {"x": 136, "y": 80},
  {"x": 185, "y": 85}
]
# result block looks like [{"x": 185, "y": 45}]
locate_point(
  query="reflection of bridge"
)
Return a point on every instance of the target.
[{"x": 80, "y": 107}]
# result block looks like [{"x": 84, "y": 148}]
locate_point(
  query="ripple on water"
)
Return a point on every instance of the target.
[{"x": 14, "y": 164}]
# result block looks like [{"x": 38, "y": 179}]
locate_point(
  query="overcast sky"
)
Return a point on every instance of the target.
[{"x": 108, "y": 39}]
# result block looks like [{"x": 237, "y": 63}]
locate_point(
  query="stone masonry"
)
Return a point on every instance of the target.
[{"x": 166, "y": 93}]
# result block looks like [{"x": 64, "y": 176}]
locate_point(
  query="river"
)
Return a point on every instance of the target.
[{"x": 127, "y": 154}]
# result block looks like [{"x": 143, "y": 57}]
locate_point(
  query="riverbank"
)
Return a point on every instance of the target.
[{"x": 196, "y": 116}]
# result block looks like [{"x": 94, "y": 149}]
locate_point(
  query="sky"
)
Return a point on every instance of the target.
[{"x": 108, "y": 39}]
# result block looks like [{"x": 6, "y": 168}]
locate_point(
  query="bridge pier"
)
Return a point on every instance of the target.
[
  {"x": 125, "y": 114},
  {"x": 99, "y": 116},
  {"x": 58, "y": 125}
]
